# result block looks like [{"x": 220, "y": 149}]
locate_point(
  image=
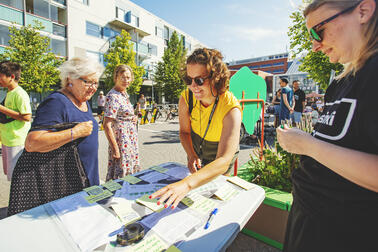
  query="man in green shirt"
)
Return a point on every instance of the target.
[{"x": 16, "y": 106}]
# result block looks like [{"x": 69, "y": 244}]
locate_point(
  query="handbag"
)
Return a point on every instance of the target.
[{"x": 39, "y": 177}]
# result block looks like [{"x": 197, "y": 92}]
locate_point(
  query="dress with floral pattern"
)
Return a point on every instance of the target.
[{"x": 124, "y": 127}]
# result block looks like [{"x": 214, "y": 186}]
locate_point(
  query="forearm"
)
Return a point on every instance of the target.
[
  {"x": 187, "y": 144},
  {"x": 44, "y": 141},
  {"x": 110, "y": 135},
  {"x": 15, "y": 115},
  {"x": 218, "y": 167},
  {"x": 358, "y": 167}
]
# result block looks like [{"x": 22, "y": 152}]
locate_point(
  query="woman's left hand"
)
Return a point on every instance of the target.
[
  {"x": 294, "y": 140},
  {"x": 172, "y": 193}
]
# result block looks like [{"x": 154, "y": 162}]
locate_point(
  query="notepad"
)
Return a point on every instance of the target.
[
  {"x": 241, "y": 182},
  {"x": 150, "y": 203},
  {"x": 226, "y": 192},
  {"x": 125, "y": 212}
]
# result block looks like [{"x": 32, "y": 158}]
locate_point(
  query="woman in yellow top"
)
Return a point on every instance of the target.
[{"x": 210, "y": 132}]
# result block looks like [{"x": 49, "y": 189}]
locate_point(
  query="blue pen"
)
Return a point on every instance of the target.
[{"x": 211, "y": 217}]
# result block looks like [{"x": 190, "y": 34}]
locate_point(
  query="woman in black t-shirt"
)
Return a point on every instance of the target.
[{"x": 335, "y": 187}]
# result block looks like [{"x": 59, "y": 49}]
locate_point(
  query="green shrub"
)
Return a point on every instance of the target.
[{"x": 276, "y": 166}]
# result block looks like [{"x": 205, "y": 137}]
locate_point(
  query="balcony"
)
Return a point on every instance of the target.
[
  {"x": 11, "y": 15},
  {"x": 128, "y": 27}
]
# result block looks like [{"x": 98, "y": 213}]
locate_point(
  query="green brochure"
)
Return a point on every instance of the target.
[
  {"x": 159, "y": 169},
  {"x": 93, "y": 190},
  {"x": 111, "y": 185},
  {"x": 131, "y": 179},
  {"x": 94, "y": 198}
]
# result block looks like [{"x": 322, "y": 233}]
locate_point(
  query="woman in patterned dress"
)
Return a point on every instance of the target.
[{"x": 120, "y": 126}]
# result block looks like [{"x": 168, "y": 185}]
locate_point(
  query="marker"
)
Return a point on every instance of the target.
[
  {"x": 211, "y": 217},
  {"x": 282, "y": 126}
]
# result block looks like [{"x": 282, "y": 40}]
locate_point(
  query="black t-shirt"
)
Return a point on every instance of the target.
[
  {"x": 350, "y": 120},
  {"x": 300, "y": 97}
]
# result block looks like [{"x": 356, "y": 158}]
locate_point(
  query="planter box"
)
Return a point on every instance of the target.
[{"x": 268, "y": 223}]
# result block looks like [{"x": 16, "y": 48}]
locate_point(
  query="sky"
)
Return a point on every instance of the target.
[{"x": 240, "y": 29}]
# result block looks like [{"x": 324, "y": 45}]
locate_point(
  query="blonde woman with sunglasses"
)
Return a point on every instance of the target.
[
  {"x": 210, "y": 119},
  {"x": 335, "y": 187}
]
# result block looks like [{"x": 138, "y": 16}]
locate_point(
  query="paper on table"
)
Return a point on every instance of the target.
[
  {"x": 199, "y": 203},
  {"x": 171, "y": 225},
  {"x": 132, "y": 192},
  {"x": 150, "y": 203},
  {"x": 141, "y": 210},
  {"x": 88, "y": 224},
  {"x": 178, "y": 172},
  {"x": 131, "y": 179},
  {"x": 159, "y": 169},
  {"x": 226, "y": 192},
  {"x": 94, "y": 198},
  {"x": 93, "y": 190},
  {"x": 241, "y": 182},
  {"x": 153, "y": 176},
  {"x": 123, "y": 208},
  {"x": 111, "y": 185},
  {"x": 208, "y": 187}
]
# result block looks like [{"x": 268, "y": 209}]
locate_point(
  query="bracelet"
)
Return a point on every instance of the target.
[{"x": 71, "y": 135}]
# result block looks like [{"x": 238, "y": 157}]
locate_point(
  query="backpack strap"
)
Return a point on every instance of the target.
[{"x": 190, "y": 101}]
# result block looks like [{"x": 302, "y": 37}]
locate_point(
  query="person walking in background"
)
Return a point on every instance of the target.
[
  {"x": 300, "y": 102},
  {"x": 16, "y": 106},
  {"x": 210, "y": 119},
  {"x": 142, "y": 102},
  {"x": 277, "y": 105},
  {"x": 335, "y": 187},
  {"x": 120, "y": 126},
  {"x": 287, "y": 101},
  {"x": 100, "y": 103},
  {"x": 79, "y": 79}
]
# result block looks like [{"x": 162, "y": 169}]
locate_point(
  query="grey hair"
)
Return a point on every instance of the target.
[{"x": 78, "y": 67}]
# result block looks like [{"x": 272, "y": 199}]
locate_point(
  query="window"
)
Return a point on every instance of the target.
[
  {"x": 93, "y": 29},
  {"x": 38, "y": 7},
  {"x": 159, "y": 31},
  {"x": 134, "y": 20},
  {"x": 58, "y": 47},
  {"x": 120, "y": 13},
  {"x": 4, "y": 35},
  {"x": 59, "y": 30},
  {"x": 14, "y": 4},
  {"x": 86, "y": 2},
  {"x": 152, "y": 49},
  {"x": 109, "y": 32},
  {"x": 166, "y": 35},
  {"x": 57, "y": 14}
]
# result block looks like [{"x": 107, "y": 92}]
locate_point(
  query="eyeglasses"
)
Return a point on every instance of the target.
[
  {"x": 198, "y": 80},
  {"x": 88, "y": 83},
  {"x": 317, "y": 35}
]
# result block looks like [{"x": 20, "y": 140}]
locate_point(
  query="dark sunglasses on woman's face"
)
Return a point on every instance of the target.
[
  {"x": 317, "y": 34},
  {"x": 198, "y": 80}
]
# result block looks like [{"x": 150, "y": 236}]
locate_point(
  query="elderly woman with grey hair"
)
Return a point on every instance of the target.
[{"x": 79, "y": 79}]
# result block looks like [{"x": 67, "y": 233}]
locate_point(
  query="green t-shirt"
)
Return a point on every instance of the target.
[{"x": 14, "y": 133}]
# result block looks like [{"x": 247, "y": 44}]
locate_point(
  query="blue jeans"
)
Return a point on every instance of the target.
[{"x": 296, "y": 117}]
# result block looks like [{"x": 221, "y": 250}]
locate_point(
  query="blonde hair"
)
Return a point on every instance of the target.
[
  {"x": 370, "y": 33},
  {"x": 78, "y": 67},
  {"x": 120, "y": 69}
]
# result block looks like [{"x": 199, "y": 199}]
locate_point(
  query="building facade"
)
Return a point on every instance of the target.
[{"x": 87, "y": 28}]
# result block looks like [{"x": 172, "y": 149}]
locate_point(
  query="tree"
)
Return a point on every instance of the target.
[
  {"x": 315, "y": 63},
  {"x": 31, "y": 50},
  {"x": 121, "y": 52},
  {"x": 168, "y": 71}
]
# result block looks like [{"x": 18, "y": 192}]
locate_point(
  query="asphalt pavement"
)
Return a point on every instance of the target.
[{"x": 158, "y": 143}]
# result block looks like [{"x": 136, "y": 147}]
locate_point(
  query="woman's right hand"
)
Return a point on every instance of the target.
[
  {"x": 194, "y": 163},
  {"x": 116, "y": 154},
  {"x": 83, "y": 129}
]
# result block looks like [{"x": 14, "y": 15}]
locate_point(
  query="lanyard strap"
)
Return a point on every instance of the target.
[{"x": 208, "y": 124}]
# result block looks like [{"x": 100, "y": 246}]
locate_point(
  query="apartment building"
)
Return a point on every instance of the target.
[{"x": 87, "y": 27}]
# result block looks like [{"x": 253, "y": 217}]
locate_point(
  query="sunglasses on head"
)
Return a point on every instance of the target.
[
  {"x": 198, "y": 80},
  {"x": 317, "y": 34}
]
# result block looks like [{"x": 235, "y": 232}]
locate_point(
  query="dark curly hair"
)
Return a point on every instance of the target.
[{"x": 217, "y": 69}]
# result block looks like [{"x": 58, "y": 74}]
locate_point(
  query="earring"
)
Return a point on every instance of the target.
[{"x": 70, "y": 84}]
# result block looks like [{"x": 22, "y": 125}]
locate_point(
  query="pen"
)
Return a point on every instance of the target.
[{"x": 211, "y": 217}]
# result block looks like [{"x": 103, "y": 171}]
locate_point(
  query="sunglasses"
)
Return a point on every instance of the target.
[
  {"x": 316, "y": 34},
  {"x": 88, "y": 83},
  {"x": 198, "y": 80}
]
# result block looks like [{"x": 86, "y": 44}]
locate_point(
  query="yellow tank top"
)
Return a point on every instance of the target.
[{"x": 200, "y": 115}]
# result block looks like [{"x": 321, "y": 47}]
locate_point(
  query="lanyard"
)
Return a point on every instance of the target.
[{"x": 208, "y": 124}]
